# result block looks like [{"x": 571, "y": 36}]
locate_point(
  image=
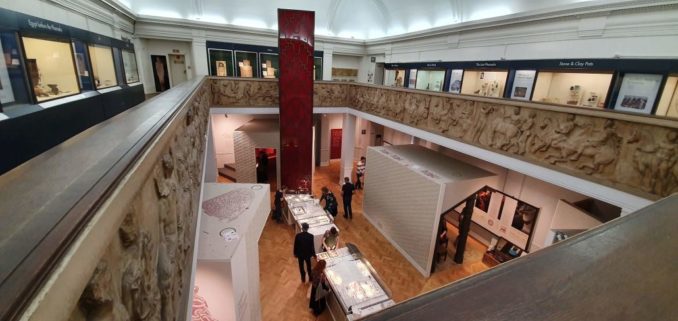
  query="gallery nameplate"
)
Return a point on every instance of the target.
[
  {"x": 44, "y": 25},
  {"x": 486, "y": 64},
  {"x": 576, "y": 63}
]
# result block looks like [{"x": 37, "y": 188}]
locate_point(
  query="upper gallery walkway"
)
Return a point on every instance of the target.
[{"x": 98, "y": 210}]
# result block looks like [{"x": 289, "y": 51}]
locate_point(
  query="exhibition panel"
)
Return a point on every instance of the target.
[
  {"x": 412, "y": 79},
  {"x": 357, "y": 290},
  {"x": 12, "y": 79},
  {"x": 638, "y": 92},
  {"x": 129, "y": 62},
  {"x": 570, "y": 88},
  {"x": 50, "y": 68},
  {"x": 456, "y": 76},
  {"x": 103, "y": 67}
]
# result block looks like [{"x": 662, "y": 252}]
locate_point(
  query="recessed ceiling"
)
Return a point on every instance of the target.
[{"x": 352, "y": 19}]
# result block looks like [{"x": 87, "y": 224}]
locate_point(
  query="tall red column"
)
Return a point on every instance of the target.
[{"x": 295, "y": 42}]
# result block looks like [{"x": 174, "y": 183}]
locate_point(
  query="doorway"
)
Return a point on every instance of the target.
[
  {"x": 177, "y": 69},
  {"x": 266, "y": 166},
  {"x": 335, "y": 143},
  {"x": 379, "y": 74}
]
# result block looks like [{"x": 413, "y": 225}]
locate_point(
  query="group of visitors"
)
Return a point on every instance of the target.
[
  {"x": 304, "y": 250},
  {"x": 304, "y": 247}
]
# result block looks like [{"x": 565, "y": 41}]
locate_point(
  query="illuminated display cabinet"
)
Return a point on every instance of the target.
[
  {"x": 51, "y": 68},
  {"x": 645, "y": 86}
]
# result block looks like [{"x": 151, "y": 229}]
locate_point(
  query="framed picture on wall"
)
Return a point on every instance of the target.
[{"x": 160, "y": 73}]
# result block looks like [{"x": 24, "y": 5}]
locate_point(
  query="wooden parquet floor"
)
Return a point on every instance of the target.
[{"x": 283, "y": 296}]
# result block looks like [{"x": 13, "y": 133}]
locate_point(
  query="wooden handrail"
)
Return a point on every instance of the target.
[
  {"x": 47, "y": 201},
  {"x": 623, "y": 270}
]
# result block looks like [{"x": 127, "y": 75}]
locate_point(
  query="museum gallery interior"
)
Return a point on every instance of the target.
[{"x": 215, "y": 160}]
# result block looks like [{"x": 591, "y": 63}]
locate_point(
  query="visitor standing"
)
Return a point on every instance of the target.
[
  {"x": 319, "y": 288},
  {"x": 330, "y": 201},
  {"x": 347, "y": 196},
  {"x": 304, "y": 250},
  {"x": 277, "y": 212},
  {"x": 360, "y": 172}
]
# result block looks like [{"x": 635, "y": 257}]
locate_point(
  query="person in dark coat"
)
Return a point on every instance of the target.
[
  {"x": 262, "y": 169},
  {"x": 304, "y": 250},
  {"x": 347, "y": 196},
  {"x": 277, "y": 212},
  {"x": 318, "y": 280},
  {"x": 330, "y": 201}
]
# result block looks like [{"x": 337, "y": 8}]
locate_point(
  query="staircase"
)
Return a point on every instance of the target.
[{"x": 228, "y": 171}]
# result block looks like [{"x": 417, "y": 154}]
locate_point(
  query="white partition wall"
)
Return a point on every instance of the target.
[
  {"x": 227, "y": 271},
  {"x": 408, "y": 188}
]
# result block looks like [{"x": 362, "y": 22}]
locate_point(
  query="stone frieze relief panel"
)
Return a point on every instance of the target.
[
  {"x": 633, "y": 156},
  {"x": 636, "y": 157},
  {"x": 144, "y": 273}
]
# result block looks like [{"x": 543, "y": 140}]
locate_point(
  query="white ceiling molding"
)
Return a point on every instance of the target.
[{"x": 376, "y": 21}]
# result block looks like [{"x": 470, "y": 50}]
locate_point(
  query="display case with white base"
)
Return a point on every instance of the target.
[
  {"x": 357, "y": 290},
  {"x": 303, "y": 208}
]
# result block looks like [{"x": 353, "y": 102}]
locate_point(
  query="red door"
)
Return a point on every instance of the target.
[{"x": 335, "y": 143}]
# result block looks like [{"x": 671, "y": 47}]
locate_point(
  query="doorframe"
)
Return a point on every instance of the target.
[{"x": 169, "y": 67}]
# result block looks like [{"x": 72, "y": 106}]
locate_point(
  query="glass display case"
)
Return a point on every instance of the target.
[
  {"x": 456, "y": 77},
  {"x": 412, "y": 80},
  {"x": 431, "y": 80},
  {"x": 51, "y": 68},
  {"x": 668, "y": 102},
  {"x": 129, "y": 63},
  {"x": 269, "y": 65},
  {"x": 318, "y": 68},
  {"x": 487, "y": 83},
  {"x": 572, "y": 88},
  {"x": 221, "y": 62},
  {"x": 246, "y": 63},
  {"x": 103, "y": 68}
]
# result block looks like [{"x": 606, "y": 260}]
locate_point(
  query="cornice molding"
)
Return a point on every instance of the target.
[
  {"x": 92, "y": 10},
  {"x": 575, "y": 10}
]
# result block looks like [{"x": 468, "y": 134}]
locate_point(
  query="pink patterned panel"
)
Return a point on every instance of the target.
[{"x": 228, "y": 205}]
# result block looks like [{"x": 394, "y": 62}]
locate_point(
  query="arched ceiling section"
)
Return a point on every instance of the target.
[{"x": 353, "y": 19}]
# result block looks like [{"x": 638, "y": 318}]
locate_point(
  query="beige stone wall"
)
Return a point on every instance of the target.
[
  {"x": 637, "y": 154},
  {"x": 145, "y": 270}
]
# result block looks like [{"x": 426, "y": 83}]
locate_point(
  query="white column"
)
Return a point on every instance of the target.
[
  {"x": 199, "y": 54},
  {"x": 144, "y": 65},
  {"x": 327, "y": 62},
  {"x": 347, "y": 147},
  {"x": 324, "y": 140}
]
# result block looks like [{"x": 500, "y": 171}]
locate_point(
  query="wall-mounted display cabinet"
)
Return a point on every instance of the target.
[
  {"x": 221, "y": 62},
  {"x": 250, "y": 61},
  {"x": 645, "y": 86},
  {"x": 50, "y": 67},
  {"x": 486, "y": 83},
  {"x": 431, "y": 80},
  {"x": 50, "y": 74},
  {"x": 103, "y": 68},
  {"x": 572, "y": 88},
  {"x": 246, "y": 64},
  {"x": 269, "y": 65}
]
